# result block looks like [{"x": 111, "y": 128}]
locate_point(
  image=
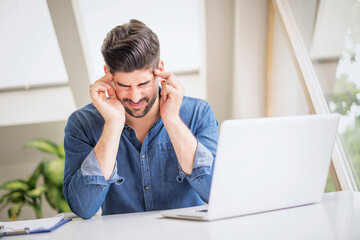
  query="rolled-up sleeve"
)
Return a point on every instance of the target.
[
  {"x": 203, "y": 162},
  {"x": 92, "y": 174}
]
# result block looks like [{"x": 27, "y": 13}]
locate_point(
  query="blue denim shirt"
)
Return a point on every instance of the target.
[{"x": 146, "y": 176}]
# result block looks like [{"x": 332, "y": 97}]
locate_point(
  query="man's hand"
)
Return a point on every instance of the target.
[
  {"x": 112, "y": 110},
  {"x": 172, "y": 94},
  {"x": 184, "y": 142}
]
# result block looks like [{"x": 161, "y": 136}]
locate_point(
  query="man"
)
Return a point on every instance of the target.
[{"x": 143, "y": 147}]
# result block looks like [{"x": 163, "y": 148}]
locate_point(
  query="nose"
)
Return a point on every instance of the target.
[{"x": 135, "y": 94}]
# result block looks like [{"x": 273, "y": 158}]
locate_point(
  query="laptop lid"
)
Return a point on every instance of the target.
[{"x": 271, "y": 163}]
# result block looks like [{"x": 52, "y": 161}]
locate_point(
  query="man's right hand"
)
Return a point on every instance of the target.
[{"x": 112, "y": 110}]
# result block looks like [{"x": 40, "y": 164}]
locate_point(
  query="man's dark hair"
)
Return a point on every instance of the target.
[{"x": 131, "y": 46}]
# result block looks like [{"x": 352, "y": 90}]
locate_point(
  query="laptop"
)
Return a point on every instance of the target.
[{"x": 267, "y": 164}]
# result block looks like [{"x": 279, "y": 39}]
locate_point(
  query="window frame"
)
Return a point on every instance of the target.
[{"x": 340, "y": 170}]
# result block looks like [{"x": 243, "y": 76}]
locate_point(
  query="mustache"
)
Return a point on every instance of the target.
[{"x": 141, "y": 100}]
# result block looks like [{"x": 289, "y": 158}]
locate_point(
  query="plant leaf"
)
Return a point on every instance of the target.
[
  {"x": 34, "y": 177},
  {"x": 35, "y": 193},
  {"x": 54, "y": 171},
  {"x": 63, "y": 206},
  {"x": 53, "y": 195},
  {"x": 14, "y": 211},
  {"x": 45, "y": 146},
  {"x": 16, "y": 197},
  {"x": 61, "y": 151},
  {"x": 3, "y": 197},
  {"x": 3, "y": 206},
  {"x": 15, "y": 185}
]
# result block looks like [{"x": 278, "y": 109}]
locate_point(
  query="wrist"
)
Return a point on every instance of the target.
[
  {"x": 172, "y": 121},
  {"x": 114, "y": 125}
]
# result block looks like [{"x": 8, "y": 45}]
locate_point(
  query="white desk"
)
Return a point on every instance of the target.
[{"x": 336, "y": 217}]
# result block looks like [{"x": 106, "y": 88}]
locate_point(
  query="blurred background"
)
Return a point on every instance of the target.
[{"x": 247, "y": 58}]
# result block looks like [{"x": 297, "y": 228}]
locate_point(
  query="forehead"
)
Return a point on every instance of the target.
[{"x": 135, "y": 77}]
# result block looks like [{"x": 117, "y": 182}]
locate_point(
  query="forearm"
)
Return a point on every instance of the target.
[
  {"x": 85, "y": 187},
  {"x": 84, "y": 199},
  {"x": 184, "y": 143},
  {"x": 107, "y": 147}
]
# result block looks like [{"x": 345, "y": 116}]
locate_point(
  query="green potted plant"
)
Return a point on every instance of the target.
[{"x": 28, "y": 192}]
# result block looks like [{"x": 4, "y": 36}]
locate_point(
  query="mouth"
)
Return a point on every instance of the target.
[{"x": 136, "y": 106}]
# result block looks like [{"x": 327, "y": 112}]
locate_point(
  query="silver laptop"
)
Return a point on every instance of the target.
[{"x": 267, "y": 164}]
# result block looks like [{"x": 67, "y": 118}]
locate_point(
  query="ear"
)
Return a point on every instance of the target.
[
  {"x": 106, "y": 69},
  {"x": 161, "y": 65}
]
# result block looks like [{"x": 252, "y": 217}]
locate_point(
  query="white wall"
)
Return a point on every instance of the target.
[
  {"x": 248, "y": 86},
  {"x": 287, "y": 97},
  {"x": 219, "y": 41},
  {"x": 236, "y": 57}
]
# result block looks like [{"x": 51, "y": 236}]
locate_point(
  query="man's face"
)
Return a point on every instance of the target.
[{"x": 137, "y": 91}]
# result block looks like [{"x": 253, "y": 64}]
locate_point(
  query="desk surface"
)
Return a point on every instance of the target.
[{"x": 336, "y": 217}]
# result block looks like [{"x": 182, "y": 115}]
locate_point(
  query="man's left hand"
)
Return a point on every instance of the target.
[{"x": 172, "y": 94}]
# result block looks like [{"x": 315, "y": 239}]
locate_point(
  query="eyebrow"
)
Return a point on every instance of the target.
[{"x": 123, "y": 85}]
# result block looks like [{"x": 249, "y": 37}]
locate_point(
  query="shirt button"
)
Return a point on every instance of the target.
[
  {"x": 179, "y": 179},
  {"x": 147, "y": 188},
  {"x": 143, "y": 156},
  {"x": 119, "y": 181},
  {"x": 129, "y": 129}
]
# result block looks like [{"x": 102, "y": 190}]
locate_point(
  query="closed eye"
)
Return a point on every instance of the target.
[
  {"x": 144, "y": 83},
  {"x": 139, "y": 85},
  {"x": 122, "y": 85}
]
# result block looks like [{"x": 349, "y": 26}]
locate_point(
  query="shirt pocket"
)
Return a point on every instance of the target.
[{"x": 168, "y": 163}]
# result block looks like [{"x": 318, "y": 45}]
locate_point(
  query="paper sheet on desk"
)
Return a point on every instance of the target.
[{"x": 33, "y": 225}]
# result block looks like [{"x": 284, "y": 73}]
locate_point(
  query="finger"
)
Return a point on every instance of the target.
[
  {"x": 111, "y": 91},
  {"x": 98, "y": 96},
  {"x": 107, "y": 78},
  {"x": 170, "y": 81},
  {"x": 164, "y": 75},
  {"x": 109, "y": 86},
  {"x": 180, "y": 90},
  {"x": 162, "y": 93},
  {"x": 99, "y": 90},
  {"x": 168, "y": 92},
  {"x": 100, "y": 86}
]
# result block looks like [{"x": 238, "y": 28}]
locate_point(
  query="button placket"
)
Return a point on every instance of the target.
[{"x": 146, "y": 177}]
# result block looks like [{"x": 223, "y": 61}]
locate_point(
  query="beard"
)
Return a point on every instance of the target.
[{"x": 137, "y": 113}]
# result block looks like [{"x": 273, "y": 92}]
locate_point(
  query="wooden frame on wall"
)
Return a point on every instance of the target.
[
  {"x": 269, "y": 57},
  {"x": 340, "y": 170}
]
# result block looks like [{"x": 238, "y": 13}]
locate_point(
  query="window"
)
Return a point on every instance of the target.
[
  {"x": 33, "y": 80},
  {"x": 30, "y": 54},
  {"x": 337, "y": 61},
  {"x": 327, "y": 52}
]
